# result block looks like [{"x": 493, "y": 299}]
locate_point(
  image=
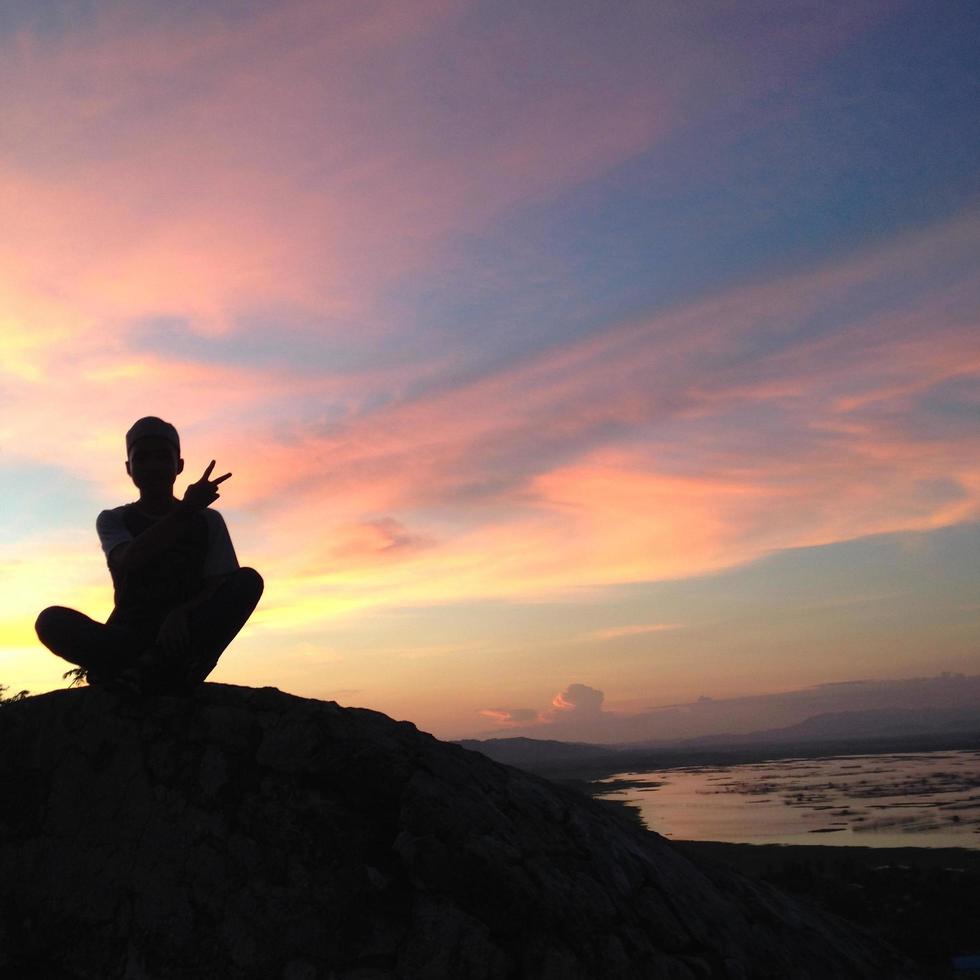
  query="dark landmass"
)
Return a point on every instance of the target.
[
  {"x": 923, "y": 900},
  {"x": 252, "y": 834}
]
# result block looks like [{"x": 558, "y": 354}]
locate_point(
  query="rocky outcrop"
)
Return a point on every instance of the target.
[{"x": 249, "y": 833}]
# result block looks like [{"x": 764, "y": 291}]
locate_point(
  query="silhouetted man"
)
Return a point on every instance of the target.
[{"x": 180, "y": 596}]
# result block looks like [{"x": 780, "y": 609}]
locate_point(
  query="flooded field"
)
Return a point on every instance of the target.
[{"x": 928, "y": 799}]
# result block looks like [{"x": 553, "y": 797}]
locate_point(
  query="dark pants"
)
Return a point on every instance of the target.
[{"x": 104, "y": 650}]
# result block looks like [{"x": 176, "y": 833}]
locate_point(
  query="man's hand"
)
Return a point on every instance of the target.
[
  {"x": 174, "y": 636},
  {"x": 205, "y": 492}
]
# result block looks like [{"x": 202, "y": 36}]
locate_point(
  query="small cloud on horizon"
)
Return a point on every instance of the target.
[
  {"x": 575, "y": 702},
  {"x": 579, "y": 699},
  {"x": 577, "y": 713}
]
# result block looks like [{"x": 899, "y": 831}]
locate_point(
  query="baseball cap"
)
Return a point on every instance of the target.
[{"x": 150, "y": 425}]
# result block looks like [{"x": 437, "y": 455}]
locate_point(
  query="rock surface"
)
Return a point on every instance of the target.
[{"x": 249, "y": 833}]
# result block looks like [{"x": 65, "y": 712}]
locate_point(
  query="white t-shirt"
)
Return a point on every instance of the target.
[{"x": 220, "y": 558}]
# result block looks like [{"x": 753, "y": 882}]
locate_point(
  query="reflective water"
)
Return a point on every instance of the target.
[{"x": 928, "y": 799}]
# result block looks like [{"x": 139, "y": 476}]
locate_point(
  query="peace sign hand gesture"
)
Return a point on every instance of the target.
[{"x": 205, "y": 492}]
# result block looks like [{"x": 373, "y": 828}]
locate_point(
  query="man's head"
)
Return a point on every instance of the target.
[
  {"x": 148, "y": 426},
  {"x": 153, "y": 453}
]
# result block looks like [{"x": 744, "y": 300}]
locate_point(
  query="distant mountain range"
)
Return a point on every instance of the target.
[
  {"x": 836, "y": 725},
  {"x": 592, "y": 722},
  {"x": 837, "y": 731}
]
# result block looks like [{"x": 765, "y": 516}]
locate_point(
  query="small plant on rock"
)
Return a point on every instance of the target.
[{"x": 19, "y": 696}]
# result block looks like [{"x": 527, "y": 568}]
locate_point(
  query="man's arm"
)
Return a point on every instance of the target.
[
  {"x": 155, "y": 539},
  {"x": 220, "y": 563},
  {"x": 174, "y": 635},
  {"x": 162, "y": 535}
]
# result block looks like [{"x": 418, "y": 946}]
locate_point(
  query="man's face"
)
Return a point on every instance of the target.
[{"x": 153, "y": 464}]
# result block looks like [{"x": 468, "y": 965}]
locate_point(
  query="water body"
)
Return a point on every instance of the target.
[{"x": 923, "y": 799}]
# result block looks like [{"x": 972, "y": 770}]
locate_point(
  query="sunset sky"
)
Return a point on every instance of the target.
[{"x": 571, "y": 358}]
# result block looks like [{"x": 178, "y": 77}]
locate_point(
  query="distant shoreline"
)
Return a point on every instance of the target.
[
  {"x": 589, "y": 771},
  {"x": 600, "y": 782}
]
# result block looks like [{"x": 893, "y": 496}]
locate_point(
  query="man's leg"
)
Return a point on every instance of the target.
[
  {"x": 214, "y": 624},
  {"x": 100, "y": 650}
]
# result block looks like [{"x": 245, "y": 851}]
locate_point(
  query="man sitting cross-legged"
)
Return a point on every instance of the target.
[{"x": 180, "y": 596}]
